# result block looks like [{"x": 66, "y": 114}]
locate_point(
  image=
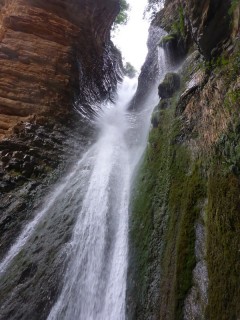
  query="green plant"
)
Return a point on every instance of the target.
[
  {"x": 129, "y": 70},
  {"x": 234, "y": 4},
  {"x": 223, "y": 240},
  {"x": 122, "y": 17},
  {"x": 178, "y": 27},
  {"x": 164, "y": 40}
]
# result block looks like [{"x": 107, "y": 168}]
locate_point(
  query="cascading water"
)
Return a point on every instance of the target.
[
  {"x": 94, "y": 199},
  {"x": 96, "y": 192},
  {"x": 95, "y": 281}
]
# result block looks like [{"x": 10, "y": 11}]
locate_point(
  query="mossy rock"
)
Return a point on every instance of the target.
[
  {"x": 164, "y": 41},
  {"x": 164, "y": 104},
  {"x": 155, "y": 118},
  {"x": 169, "y": 86}
]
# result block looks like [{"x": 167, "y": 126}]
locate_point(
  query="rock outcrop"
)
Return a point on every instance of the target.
[
  {"x": 53, "y": 53},
  {"x": 169, "y": 86},
  {"x": 149, "y": 76},
  {"x": 210, "y": 24}
]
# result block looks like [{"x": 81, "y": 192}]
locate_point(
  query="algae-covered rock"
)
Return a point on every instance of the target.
[
  {"x": 155, "y": 118},
  {"x": 164, "y": 104},
  {"x": 168, "y": 39},
  {"x": 169, "y": 86},
  {"x": 174, "y": 46},
  {"x": 156, "y": 115}
]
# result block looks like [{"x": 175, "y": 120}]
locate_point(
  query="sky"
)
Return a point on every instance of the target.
[{"x": 132, "y": 38}]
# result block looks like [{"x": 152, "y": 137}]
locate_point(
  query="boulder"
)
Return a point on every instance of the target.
[{"x": 169, "y": 86}]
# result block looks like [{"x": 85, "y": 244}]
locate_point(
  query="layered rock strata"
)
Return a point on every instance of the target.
[
  {"x": 53, "y": 52},
  {"x": 54, "y": 55}
]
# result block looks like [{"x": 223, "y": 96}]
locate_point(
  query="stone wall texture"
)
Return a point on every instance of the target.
[{"x": 52, "y": 52}]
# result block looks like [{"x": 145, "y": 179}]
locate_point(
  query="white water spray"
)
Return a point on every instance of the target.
[{"x": 95, "y": 281}]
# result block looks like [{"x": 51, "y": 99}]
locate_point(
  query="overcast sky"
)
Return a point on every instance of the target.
[{"x": 132, "y": 38}]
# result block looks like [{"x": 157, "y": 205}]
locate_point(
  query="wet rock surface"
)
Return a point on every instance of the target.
[
  {"x": 211, "y": 24},
  {"x": 184, "y": 264},
  {"x": 169, "y": 86},
  {"x": 55, "y": 56},
  {"x": 197, "y": 300},
  {"x": 31, "y": 162},
  {"x": 150, "y": 72}
]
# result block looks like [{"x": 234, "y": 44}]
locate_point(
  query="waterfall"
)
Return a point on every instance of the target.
[
  {"x": 95, "y": 281},
  {"x": 95, "y": 194},
  {"x": 82, "y": 228}
]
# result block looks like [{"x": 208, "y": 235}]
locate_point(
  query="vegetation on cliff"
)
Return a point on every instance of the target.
[
  {"x": 190, "y": 176},
  {"x": 122, "y": 17}
]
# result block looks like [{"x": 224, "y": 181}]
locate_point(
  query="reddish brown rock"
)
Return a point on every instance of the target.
[{"x": 52, "y": 52}]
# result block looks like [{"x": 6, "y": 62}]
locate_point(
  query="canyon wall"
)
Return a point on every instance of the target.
[
  {"x": 53, "y": 53},
  {"x": 185, "y": 261},
  {"x": 56, "y": 58}
]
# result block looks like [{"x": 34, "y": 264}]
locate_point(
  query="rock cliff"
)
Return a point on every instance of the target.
[
  {"x": 55, "y": 57},
  {"x": 53, "y": 53},
  {"x": 186, "y": 203}
]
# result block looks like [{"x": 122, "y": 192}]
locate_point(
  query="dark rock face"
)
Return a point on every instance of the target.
[
  {"x": 174, "y": 46},
  {"x": 210, "y": 23},
  {"x": 169, "y": 86},
  {"x": 149, "y": 75},
  {"x": 52, "y": 54},
  {"x": 31, "y": 162}
]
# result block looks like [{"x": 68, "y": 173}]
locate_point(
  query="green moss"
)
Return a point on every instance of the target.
[
  {"x": 233, "y": 7},
  {"x": 15, "y": 173},
  {"x": 224, "y": 64},
  {"x": 186, "y": 195},
  {"x": 166, "y": 39},
  {"x": 179, "y": 26},
  {"x": 192, "y": 195},
  {"x": 147, "y": 218},
  {"x": 169, "y": 191},
  {"x": 172, "y": 189},
  {"x": 232, "y": 99},
  {"x": 223, "y": 244}
]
